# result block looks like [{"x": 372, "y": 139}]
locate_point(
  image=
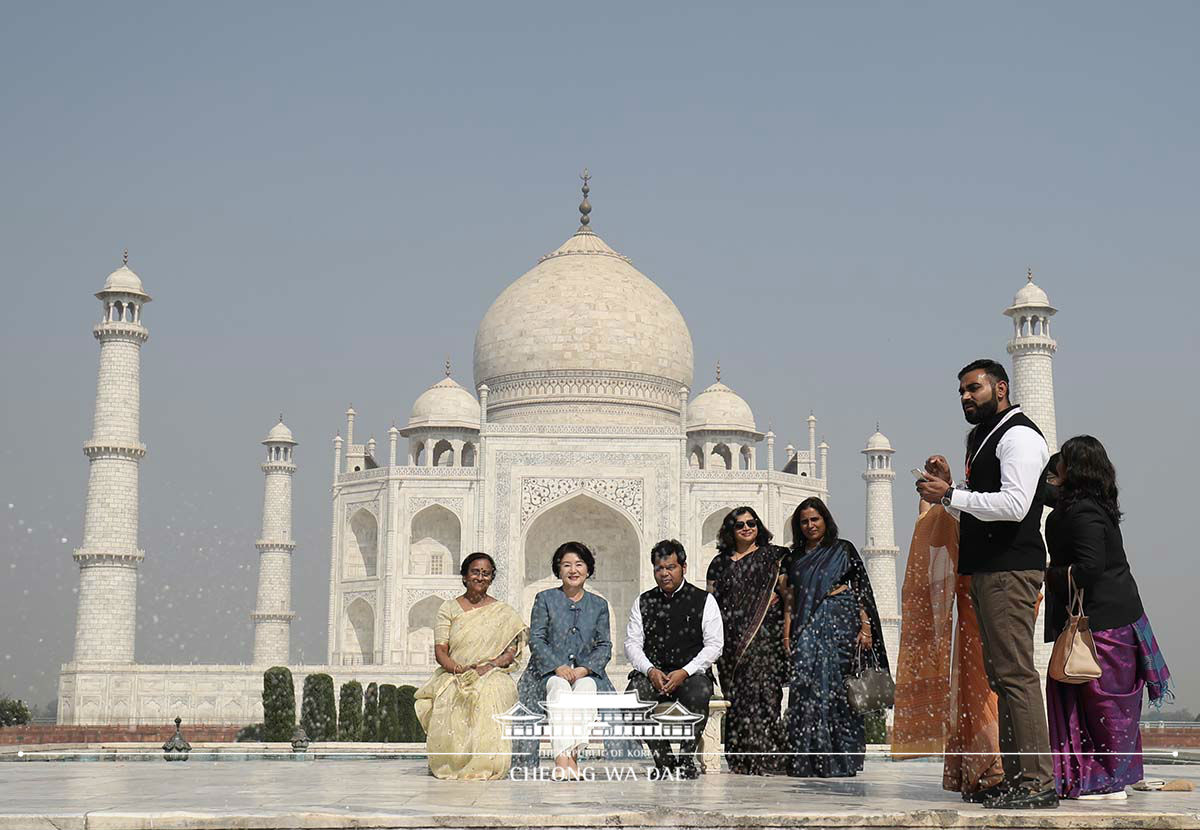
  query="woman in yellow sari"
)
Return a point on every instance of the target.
[{"x": 478, "y": 643}]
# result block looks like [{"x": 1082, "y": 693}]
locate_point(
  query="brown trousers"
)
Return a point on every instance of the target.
[{"x": 1006, "y": 604}]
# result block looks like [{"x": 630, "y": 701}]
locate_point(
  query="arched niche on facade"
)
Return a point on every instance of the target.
[
  {"x": 612, "y": 538},
  {"x": 468, "y": 455},
  {"x": 722, "y": 457},
  {"x": 358, "y": 633},
  {"x": 783, "y": 536},
  {"x": 709, "y": 529},
  {"x": 443, "y": 454},
  {"x": 362, "y": 546},
  {"x": 421, "y": 620},
  {"x": 696, "y": 458},
  {"x": 435, "y": 542}
]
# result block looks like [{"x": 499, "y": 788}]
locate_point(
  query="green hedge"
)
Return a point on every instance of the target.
[
  {"x": 13, "y": 712},
  {"x": 350, "y": 712},
  {"x": 876, "y": 727},
  {"x": 318, "y": 713},
  {"x": 370, "y": 731},
  {"x": 279, "y": 704},
  {"x": 389, "y": 713},
  {"x": 410, "y": 727}
]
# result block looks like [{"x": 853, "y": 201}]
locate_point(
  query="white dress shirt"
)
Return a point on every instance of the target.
[
  {"x": 1023, "y": 457},
  {"x": 711, "y": 624}
]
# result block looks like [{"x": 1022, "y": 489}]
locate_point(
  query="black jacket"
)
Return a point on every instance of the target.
[{"x": 1083, "y": 537}]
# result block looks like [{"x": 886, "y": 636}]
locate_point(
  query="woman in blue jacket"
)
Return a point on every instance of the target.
[{"x": 569, "y": 644}]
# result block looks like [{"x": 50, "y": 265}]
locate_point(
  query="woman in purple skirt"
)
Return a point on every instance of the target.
[{"x": 1094, "y": 726}]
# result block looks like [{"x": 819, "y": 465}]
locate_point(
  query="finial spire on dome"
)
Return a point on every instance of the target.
[
  {"x": 1029, "y": 274},
  {"x": 447, "y": 367},
  {"x": 585, "y": 207},
  {"x": 718, "y": 371},
  {"x": 281, "y": 417},
  {"x": 125, "y": 257}
]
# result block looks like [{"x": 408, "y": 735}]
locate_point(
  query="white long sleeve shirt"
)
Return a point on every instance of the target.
[
  {"x": 713, "y": 631},
  {"x": 1023, "y": 456}
]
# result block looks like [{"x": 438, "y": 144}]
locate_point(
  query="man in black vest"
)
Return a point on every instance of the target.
[
  {"x": 999, "y": 509},
  {"x": 675, "y": 635}
]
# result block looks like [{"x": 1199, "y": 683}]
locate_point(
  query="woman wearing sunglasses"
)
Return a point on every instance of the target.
[
  {"x": 746, "y": 579},
  {"x": 831, "y": 618}
]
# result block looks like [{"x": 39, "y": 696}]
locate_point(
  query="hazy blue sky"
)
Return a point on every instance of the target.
[{"x": 324, "y": 199}]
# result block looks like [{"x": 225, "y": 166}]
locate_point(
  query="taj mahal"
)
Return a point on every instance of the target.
[{"x": 580, "y": 424}]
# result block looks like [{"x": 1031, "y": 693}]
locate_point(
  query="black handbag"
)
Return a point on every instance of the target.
[{"x": 870, "y": 688}]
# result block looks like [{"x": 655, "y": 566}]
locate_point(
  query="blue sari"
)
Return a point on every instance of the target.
[{"x": 826, "y": 736}]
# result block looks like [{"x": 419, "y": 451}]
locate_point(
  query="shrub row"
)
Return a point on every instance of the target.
[{"x": 382, "y": 713}]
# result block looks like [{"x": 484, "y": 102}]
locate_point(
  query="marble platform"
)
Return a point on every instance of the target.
[{"x": 397, "y": 792}]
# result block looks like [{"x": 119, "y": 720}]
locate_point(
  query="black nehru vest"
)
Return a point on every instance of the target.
[
  {"x": 986, "y": 547},
  {"x": 673, "y": 626}
]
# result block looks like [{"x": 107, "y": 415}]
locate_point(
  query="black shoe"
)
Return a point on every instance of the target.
[
  {"x": 1023, "y": 799},
  {"x": 987, "y": 793}
]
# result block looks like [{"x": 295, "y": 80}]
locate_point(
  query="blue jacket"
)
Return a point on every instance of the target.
[{"x": 565, "y": 633}]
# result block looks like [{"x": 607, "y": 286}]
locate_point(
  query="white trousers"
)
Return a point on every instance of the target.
[{"x": 570, "y": 728}]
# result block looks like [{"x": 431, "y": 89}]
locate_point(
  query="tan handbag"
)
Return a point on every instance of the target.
[{"x": 1073, "y": 659}]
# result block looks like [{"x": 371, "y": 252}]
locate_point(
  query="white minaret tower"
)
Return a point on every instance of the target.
[
  {"x": 273, "y": 612},
  {"x": 879, "y": 550},
  {"x": 109, "y": 556},
  {"x": 1032, "y": 349}
]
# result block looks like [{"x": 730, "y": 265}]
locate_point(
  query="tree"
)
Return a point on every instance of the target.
[
  {"x": 410, "y": 730},
  {"x": 279, "y": 704},
  {"x": 371, "y": 714},
  {"x": 318, "y": 712},
  {"x": 13, "y": 712},
  {"x": 388, "y": 713},
  {"x": 350, "y": 712}
]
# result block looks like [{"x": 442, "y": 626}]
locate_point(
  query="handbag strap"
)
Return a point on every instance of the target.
[{"x": 1076, "y": 596}]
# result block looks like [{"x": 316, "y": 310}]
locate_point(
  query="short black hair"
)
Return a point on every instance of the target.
[
  {"x": 831, "y": 528},
  {"x": 991, "y": 368},
  {"x": 471, "y": 557},
  {"x": 665, "y": 548},
  {"x": 577, "y": 548},
  {"x": 725, "y": 536}
]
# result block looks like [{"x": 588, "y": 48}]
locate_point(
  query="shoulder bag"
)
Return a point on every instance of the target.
[
  {"x": 1073, "y": 659},
  {"x": 871, "y": 687}
]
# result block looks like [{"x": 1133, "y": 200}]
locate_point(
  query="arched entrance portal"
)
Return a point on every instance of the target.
[{"x": 614, "y": 540}]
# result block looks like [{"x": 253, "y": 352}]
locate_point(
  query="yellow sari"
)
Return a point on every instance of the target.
[{"x": 464, "y": 740}]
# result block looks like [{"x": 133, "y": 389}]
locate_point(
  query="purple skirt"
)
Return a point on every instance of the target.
[{"x": 1094, "y": 732}]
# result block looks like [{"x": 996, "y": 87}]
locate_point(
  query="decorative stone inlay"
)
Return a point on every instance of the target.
[
  {"x": 658, "y": 523},
  {"x": 409, "y": 473},
  {"x": 693, "y": 474},
  {"x": 414, "y": 595},
  {"x": 626, "y": 493},
  {"x": 371, "y": 507},
  {"x": 349, "y": 597},
  {"x": 706, "y": 508},
  {"x": 595, "y": 386},
  {"x": 419, "y": 503},
  {"x": 582, "y": 429}
]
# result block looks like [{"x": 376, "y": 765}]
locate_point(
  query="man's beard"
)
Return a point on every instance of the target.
[{"x": 983, "y": 411}]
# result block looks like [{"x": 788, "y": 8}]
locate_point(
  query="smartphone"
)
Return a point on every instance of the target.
[{"x": 920, "y": 474}]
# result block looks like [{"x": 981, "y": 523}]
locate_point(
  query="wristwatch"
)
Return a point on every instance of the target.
[{"x": 946, "y": 498}]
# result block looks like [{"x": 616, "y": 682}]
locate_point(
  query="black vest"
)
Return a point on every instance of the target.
[
  {"x": 672, "y": 626},
  {"x": 986, "y": 547}
]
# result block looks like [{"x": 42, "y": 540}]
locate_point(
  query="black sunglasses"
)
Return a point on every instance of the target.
[{"x": 750, "y": 523}]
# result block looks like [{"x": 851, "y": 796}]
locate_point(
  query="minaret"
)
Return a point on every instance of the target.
[
  {"x": 109, "y": 556},
  {"x": 879, "y": 550},
  {"x": 273, "y": 611},
  {"x": 1032, "y": 349}
]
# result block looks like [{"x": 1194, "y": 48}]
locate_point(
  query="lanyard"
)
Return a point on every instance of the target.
[{"x": 1013, "y": 410}]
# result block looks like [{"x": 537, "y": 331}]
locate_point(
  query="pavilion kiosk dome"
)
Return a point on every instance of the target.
[
  {"x": 445, "y": 404},
  {"x": 279, "y": 434},
  {"x": 124, "y": 281},
  {"x": 583, "y": 337},
  {"x": 877, "y": 442},
  {"x": 719, "y": 409}
]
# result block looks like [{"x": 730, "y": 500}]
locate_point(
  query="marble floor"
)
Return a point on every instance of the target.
[{"x": 398, "y": 793}]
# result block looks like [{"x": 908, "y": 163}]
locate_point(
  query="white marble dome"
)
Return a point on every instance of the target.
[
  {"x": 280, "y": 434},
  {"x": 878, "y": 441},
  {"x": 1031, "y": 294},
  {"x": 583, "y": 337},
  {"x": 721, "y": 409},
  {"x": 445, "y": 404},
  {"x": 125, "y": 281}
]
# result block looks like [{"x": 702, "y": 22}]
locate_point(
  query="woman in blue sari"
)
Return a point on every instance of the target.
[
  {"x": 570, "y": 645},
  {"x": 829, "y": 623}
]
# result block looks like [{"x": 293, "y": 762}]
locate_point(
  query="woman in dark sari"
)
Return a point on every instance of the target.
[
  {"x": 830, "y": 622},
  {"x": 746, "y": 580}
]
